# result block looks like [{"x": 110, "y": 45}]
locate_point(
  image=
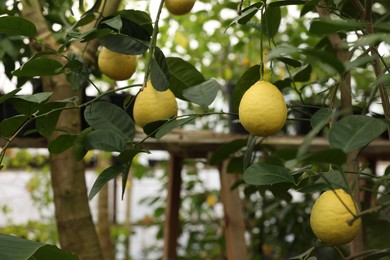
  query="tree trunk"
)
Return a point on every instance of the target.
[{"x": 76, "y": 229}]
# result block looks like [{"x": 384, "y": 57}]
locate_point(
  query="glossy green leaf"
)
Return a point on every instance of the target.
[
  {"x": 355, "y": 132},
  {"x": 104, "y": 177},
  {"x": 226, "y": 150},
  {"x": 303, "y": 74},
  {"x": 267, "y": 174},
  {"x": 203, "y": 94},
  {"x": 182, "y": 75},
  {"x": 248, "y": 13},
  {"x": 287, "y": 2},
  {"x": 16, "y": 25},
  {"x": 159, "y": 73},
  {"x": 141, "y": 18},
  {"x": 329, "y": 156},
  {"x": 61, "y": 143},
  {"x": 250, "y": 77},
  {"x": 250, "y": 149},
  {"x": 106, "y": 140},
  {"x": 328, "y": 26},
  {"x": 105, "y": 115},
  {"x": 39, "y": 67},
  {"x": 359, "y": 62},
  {"x": 15, "y": 248},
  {"x": 270, "y": 21},
  {"x": 127, "y": 157},
  {"x": 168, "y": 127},
  {"x": 124, "y": 44},
  {"x": 114, "y": 22},
  {"x": 9, "y": 126}
]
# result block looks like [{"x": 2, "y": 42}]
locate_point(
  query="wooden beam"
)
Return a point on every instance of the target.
[
  {"x": 172, "y": 225},
  {"x": 233, "y": 215}
]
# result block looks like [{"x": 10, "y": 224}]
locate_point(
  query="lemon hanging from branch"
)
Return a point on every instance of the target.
[
  {"x": 151, "y": 105},
  {"x": 262, "y": 110},
  {"x": 330, "y": 215},
  {"x": 117, "y": 66},
  {"x": 179, "y": 7}
]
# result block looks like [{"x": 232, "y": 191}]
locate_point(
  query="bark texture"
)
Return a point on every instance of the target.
[{"x": 77, "y": 232}]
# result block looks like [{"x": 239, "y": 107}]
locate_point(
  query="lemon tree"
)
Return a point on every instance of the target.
[{"x": 313, "y": 61}]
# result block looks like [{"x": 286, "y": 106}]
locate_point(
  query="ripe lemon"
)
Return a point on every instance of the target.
[
  {"x": 117, "y": 66},
  {"x": 262, "y": 110},
  {"x": 179, "y": 7},
  {"x": 151, "y": 105},
  {"x": 329, "y": 218}
]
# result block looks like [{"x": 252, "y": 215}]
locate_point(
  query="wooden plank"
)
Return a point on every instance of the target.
[
  {"x": 172, "y": 225},
  {"x": 233, "y": 215}
]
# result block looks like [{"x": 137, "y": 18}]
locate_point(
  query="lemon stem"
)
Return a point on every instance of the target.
[{"x": 152, "y": 44}]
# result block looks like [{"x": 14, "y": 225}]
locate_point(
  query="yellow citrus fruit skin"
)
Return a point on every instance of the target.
[
  {"x": 117, "y": 66},
  {"x": 329, "y": 218},
  {"x": 262, "y": 110},
  {"x": 151, "y": 105},
  {"x": 179, "y": 7}
]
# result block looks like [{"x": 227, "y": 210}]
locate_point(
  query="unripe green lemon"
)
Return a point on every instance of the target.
[{"x": 262, "y": 110}]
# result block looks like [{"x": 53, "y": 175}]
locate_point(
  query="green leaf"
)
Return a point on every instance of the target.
[
  {"x": 247, "y": 13},
  {"x": 10, "y": 125},
  {"x": 124, "y": 44},
  {"x": 328, "y": 26},
  {"x": 250, "y": 148},
  {"x": 355, "y": 132},
  {"x": 384, "y": 80},
  {"x": 203, "y": 94},
  {"x": 104, "y": 115},
  {"x": 330, "y": 156},
  {"x": 104, "y": 177},
  {"x": 159, "y": 72},
  {"x": 267, "y": 174},
  {"x": 114, "y": 22},
  {"x": 61, "y": 143},
  {"x": 359, "y": 62},
  {"x": 303, "y": 74},
  {"x": 291, "y": 62},
  {"x": 331, "y": 180},
  {"x": 139, "y": 17},
  {"x": 287, "y": 2},
  {"x": 12, "y": 247},
  {"x": 250, "y": 77},
  {"x": 9, "y": 95},
  {"x": 320, "y": 122},
  {"x": 324, "y": 57},
  {"x": 270, "y": 21},
  {"x": 39, "y": 67},
  {"x": 319, "y": 116},
  {"x": 46, "y": 124},
  {"x": 16, "y": 25},
  {"x": 226, "y": 150},
  {"x": 169, "y": 126},
  {"x": 182, "y": 75},
  {"x": 106, "y": 140},
  {"x": 30, "y": 104}
]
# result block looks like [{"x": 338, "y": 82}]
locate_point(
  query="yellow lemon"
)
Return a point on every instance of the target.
[
  {"x": 179, "y": 7},
  {"x": 211, "y": 199},
  {"x": 117, "y": 66},
  {"x": 151, "y": 105},
  {"x": 262, "y": 110},
  {"x": 329, "y": 218}
]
